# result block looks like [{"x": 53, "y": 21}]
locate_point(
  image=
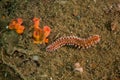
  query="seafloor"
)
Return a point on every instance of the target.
[{"x": 21, "y": 59}]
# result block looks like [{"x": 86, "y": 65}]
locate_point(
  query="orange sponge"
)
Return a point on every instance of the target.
[
  {"x": 16, "y": 24},
  {"x": 36, "y": 22},
  {"x": 40, "y": 35}
]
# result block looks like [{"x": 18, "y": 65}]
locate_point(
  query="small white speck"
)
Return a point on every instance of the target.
[
  {"x": 6, "y": 27},
  {"x": 35, "y": 57},
  {"x": 94, "y": 1},
  {"x": 80, "y": 69},
  {"x": 51, "y": 78}
]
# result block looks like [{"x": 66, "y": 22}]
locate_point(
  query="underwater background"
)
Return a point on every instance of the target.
[{"x": 22, "y": 59}]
